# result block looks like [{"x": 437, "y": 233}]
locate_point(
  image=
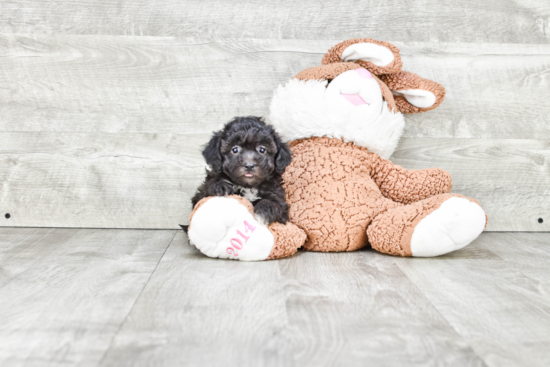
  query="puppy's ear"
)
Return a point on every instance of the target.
[
  {"x": 284, "y": 155},
  {"x": 212, "y": 153}
]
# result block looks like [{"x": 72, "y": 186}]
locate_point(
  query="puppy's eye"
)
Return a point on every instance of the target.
[
  {"x": 235, "y": 150},
  {"x": 261, "y": 150}
]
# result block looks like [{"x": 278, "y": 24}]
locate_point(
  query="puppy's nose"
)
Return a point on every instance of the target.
[{"x": 249, "y": 165}]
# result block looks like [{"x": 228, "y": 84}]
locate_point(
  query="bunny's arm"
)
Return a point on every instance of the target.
[{"x": 403, "y": 186}]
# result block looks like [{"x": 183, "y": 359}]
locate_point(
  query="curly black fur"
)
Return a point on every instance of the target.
[{"x": 247, "y": 157}]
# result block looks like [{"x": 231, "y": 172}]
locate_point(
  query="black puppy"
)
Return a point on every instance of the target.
[{"x": 248, "y": 158}]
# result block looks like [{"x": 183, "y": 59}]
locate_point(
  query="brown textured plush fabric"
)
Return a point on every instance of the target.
[
  {"x": 331, "y": 71},
  {"x": 391, "y": 232},
  {"x": 288, "y": 239},
  {"x": 333, "y": 56},
  {"x": 406, "y": 80},
  {"x": 386, "y": 94},
  {"x": 403, "y": 186},
  {"x": 326, "y": 72},
  {"x": 335, "y": 189}
]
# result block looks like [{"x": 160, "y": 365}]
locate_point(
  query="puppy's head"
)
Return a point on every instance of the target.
[{"x": 248, "y": 151}]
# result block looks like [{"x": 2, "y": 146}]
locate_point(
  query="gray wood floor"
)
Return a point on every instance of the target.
[{"x": 100, "y": 297}]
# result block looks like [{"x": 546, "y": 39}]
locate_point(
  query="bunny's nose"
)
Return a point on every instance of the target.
[{"x": 364, "y": 73}]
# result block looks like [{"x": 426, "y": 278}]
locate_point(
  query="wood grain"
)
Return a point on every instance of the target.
[
  {"x": 509, "y": 177},
  {"x": 186, "y": 85},
  {"x": 357, "y": 309},
  {"x": 103, "y": 180},
  {"x": 99, "y": 180},
  {"x": 489, "y": 21},
  {"x": 105, "y": 131},
  {"x": 64, "y": 293},
  {"x": 529, "y": 252},
  {"x": 89, "y": 297},
  {"x": 499, "y": 309},
  {"x": 197, "y": 311}
]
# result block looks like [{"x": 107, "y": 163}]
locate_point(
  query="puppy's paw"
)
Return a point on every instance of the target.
[
  {"x": 262, "y": 220},
  {"x": 267, "y": 212},
  {"x": 220, "y": 188},
  {"x": 224, "y": 228}
]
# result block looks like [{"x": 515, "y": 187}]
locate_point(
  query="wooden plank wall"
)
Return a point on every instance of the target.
[{"x": 104, "y": 105}]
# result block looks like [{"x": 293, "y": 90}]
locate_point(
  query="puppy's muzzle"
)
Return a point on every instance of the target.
[{"x": 249, "y": 168}]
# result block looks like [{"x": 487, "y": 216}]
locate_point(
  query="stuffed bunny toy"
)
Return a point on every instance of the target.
[{"x": 344, "y": 120}]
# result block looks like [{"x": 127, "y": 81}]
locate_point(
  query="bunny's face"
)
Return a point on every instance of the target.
[
  {"x": 355, "y": 90},
  {"x": 357, "y": 95}
]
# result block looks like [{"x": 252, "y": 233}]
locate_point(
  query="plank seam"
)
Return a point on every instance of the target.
[
  {"x": 135, "y": 301},
  {"x": 442, "y": 316}
]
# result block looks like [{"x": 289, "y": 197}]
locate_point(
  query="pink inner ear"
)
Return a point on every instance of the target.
[{"x": 354, "y": 99}]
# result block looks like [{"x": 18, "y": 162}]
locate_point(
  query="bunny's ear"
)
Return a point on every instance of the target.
[
  {"x": 412, "y": 93},
  {"x": 378, "y": 57}
]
